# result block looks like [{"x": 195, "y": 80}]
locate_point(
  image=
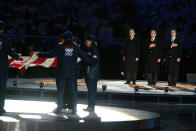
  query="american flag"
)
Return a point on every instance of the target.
[{"x": 32, "y": 61}]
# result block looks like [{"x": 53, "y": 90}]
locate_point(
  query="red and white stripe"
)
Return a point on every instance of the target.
[{"x": 32, "y": 61}]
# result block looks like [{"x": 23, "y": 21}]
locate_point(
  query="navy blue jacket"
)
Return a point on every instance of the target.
[
  {"x": 93, "y": 71},
  {"x": 5, "y": 50},
  {"x": 67, "y": 59}
]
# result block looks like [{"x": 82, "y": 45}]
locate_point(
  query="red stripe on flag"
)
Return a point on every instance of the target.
[
  {"x": 39, "y": 61},
  {"x": 54, "y": 64}
]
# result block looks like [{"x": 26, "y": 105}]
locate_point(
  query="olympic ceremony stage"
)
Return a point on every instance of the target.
[
  {"x": 114, "y": 90},
  {"x": 29, "y": 107}
]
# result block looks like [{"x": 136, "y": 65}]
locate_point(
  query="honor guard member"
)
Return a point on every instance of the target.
[
  {"x": 92, "y": 72},
  {"x": 5, "y": 50},
  {"x": 173, "y": 51},
  {"x": 152, "y": 57},
  {"x": 67, "y": 54},
  {"x": 131, "y": 50}
]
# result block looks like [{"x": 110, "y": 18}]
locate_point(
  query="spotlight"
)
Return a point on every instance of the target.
[
  {"x": 136, "y": 88},
  {"x": 41, "y": 85},
  {"x": 166, "y": 89},
  {"x": 104, "y": 87}
]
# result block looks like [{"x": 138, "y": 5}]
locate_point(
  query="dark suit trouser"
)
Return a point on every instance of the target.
[
  {"x": 70, "y": 85},
  {"x": 172, "y": 79},
  {"x": 131, "y": 75},
  {"x": 3, "y": 81},
  {"x": 152, "y": 78},
  {"x": 92, "y": 91}
]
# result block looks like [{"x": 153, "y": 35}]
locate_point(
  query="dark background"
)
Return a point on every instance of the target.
[{"x": 36, "y": 25}]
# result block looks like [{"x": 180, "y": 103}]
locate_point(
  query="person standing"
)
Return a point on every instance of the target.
[
  {"x": 5, "y": 50},
  {"x": 173, "y": 52},
  {"x": 92, "y": 72},
  {"x": 67, "y": 93},
  {"x": 152, "y": 57},
  {"x": 131, "y": 52},
  {"x": 67, "y": 54}
]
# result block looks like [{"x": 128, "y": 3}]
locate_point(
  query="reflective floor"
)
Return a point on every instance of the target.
[
  {"x": 23, "y": 115},
  {"x": 175, "y": 116},
  {"x": 115, "y": 86}
]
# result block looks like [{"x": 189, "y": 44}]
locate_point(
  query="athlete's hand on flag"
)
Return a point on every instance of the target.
[
  {"x": 20, "y": 55},
  {"x": 36, "y": 53}
]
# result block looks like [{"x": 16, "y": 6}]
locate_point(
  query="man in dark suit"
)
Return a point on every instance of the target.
[
  {"x": 152, "y": 57},
  {"x": 5, "y": 50},
  {"x": 131, "y": 52},
  {"x": 173, "y": 52},
  {"x": 67, "y": 55}
]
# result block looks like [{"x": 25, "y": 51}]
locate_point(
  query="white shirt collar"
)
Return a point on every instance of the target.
[
  {"x": 131, "y": 38},
  {"x": 152, "y": 39},
  {"x": 172, "y": 39}
]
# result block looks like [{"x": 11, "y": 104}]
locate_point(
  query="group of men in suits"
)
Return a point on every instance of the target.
[{"x": 153, "y": 52}]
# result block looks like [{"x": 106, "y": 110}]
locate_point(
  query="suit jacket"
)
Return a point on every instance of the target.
[
  {"x": 172, "y": 54},
  {"x": 151, "y": 55},
  {"x": 131, "y": 50}
]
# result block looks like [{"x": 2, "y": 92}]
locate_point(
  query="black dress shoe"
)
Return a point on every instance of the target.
[
  {"x": 57, "y": 110},
  {"x": 2, "y": 111},
  {"x": 89, "y": 109}
]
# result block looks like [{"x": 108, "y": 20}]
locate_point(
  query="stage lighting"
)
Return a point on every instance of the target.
[
  {"x": 29, "y": 116},
  {"x": 104, "y": 87},
  {"x": 15, "y": 83},
  {"x": 136, "y": 88},
  {"x": 166, "y": 89},
  {"x": 8, "y": 119},
  {"x": 41, "y": 85}
]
